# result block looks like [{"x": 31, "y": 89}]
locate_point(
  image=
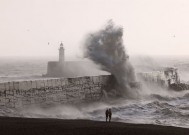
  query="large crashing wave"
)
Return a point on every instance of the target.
[{"x": 105, "y": 47}]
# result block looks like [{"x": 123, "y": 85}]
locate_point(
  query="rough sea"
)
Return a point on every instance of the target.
[{"x": 154, "y": 106}]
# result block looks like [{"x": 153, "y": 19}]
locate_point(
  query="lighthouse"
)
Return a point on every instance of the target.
[
  {"x": 62, "y": 68},
  {"x": 61, "y": 53}
]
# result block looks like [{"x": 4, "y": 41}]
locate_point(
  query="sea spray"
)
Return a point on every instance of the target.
[{"x": 105, "y": 47}]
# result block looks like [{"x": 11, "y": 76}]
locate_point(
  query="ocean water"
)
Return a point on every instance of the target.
[
  {"x": 17, "y": 69},
  {"x": 154, "y": 106}
]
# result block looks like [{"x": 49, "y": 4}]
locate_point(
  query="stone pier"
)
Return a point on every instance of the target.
[{"x": 47, "y": 91}]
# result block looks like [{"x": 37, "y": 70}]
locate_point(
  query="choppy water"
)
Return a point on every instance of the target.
[
  {"x": 12, "y": 69},
  {"x": 152, "y": 109},
  {"x": 155, "y": 106}
]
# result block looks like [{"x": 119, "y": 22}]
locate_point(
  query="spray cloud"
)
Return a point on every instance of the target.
[{"x": 105, "y": 47}]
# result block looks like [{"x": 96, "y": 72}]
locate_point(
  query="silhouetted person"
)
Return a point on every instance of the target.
[{"x": 107, "y": 113}]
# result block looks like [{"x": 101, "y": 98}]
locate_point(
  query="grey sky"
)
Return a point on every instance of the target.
[{"x": 151, "y": 27}]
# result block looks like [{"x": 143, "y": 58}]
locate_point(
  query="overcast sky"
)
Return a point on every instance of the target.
[{"x": 151, "y": 27}]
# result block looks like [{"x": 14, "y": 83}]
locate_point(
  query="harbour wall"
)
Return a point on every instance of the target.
[
  {"x": 156, "y": 77},
  {"x": 165, "y": 77},
  {"x": 49, "y": 91}
]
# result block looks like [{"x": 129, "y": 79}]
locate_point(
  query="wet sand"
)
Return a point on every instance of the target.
[{"x": 30, "y": 126}]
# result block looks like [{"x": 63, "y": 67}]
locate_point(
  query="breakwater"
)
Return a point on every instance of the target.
[{"x": 48, "y": 91}]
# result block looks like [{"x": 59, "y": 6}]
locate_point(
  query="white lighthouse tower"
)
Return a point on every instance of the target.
[{"x": 61, "y": 53}]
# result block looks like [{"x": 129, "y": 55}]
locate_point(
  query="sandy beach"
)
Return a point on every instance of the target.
[{"x": 31, "y": 126}]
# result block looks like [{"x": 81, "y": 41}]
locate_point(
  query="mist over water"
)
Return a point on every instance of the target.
[
  {"x": 105, "y": 47},
  {"x": 162, "y": 109}
]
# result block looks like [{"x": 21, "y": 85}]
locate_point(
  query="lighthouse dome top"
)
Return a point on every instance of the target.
[{"x": 61, "y": 45}]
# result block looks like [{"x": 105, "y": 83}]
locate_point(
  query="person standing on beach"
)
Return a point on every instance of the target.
[
  {"x": 107, "y": 114},
  {"x": 110, "y": 114}
]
